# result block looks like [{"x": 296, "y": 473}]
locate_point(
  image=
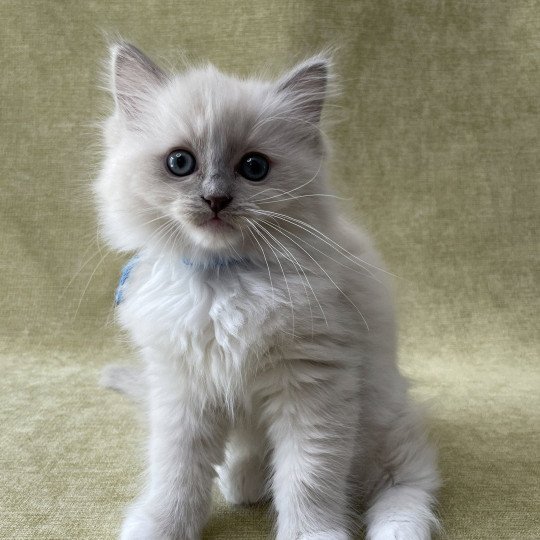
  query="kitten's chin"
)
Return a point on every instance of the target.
[{"x": 214, "y": 234}]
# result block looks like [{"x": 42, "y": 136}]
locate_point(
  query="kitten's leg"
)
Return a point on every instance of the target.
[
  {"x": 186, "y": 441},
  {"x": 402, "y": 505},
  {"x": 312, "y": 426},
  {"x": 242, "y": 477}
]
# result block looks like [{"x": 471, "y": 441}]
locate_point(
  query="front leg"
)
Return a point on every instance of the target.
[
  {"x": 313, "y": 420},
  {"x": 186, "y": 441}
]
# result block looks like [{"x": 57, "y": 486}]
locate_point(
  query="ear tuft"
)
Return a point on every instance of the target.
[
  {"x": 306, "y": 85},
  {"x": 135, "y": 77}
]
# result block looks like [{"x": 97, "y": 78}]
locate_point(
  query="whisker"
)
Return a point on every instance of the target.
[
  {"x": 267, "y": 189},
  {"x": 369, "y": 274},
  {"x": 305, "y": 276},
  {"x": 103, "y": 257},
  {"x": 296, "y": 264},
  {"x": 267, "y": 201},
  {"x": 172, "y": 234},
  {"x": 266, "y": 261},
  {"x": 231, "y": 246},
  {"x": 255, "y": 229},
  {"x": 333, "y": 282},
  {"x": 318, "y": 234},
  {"x": 88, "y": 283},
  {"x": 98, "y": 252},
  {"x": 330, "y": 243},
  {"x": 297, "y": 187}
]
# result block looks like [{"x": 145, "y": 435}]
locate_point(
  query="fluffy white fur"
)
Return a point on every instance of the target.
[{"x": 269, "y": 359}]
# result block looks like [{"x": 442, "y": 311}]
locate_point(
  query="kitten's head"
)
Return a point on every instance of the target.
[{"x": 194, "y": 162}]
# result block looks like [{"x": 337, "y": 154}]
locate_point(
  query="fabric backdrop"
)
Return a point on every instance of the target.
[{"x": 435, "y": 143}]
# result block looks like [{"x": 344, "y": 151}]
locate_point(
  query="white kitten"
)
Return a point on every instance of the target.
[{"x": 263, "y": 318}]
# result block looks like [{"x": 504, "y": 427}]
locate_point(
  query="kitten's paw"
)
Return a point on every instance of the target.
[
  {"x": 142, "y": 523},
  {"x": 242, "y": 482},
  {"x": 399, "y": 530},
  {"x": 139, "y": 526}
]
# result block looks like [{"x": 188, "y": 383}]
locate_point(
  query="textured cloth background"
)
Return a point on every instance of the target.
[{"x": 437, "y": 147}]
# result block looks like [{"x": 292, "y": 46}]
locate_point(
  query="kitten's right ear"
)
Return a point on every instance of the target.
[{"x": 134, "y": 79}]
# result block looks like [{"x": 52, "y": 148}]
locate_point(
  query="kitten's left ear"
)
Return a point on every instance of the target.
[
  {"x": 134, "y": 78},
  {"x": 306, "y": 86}
]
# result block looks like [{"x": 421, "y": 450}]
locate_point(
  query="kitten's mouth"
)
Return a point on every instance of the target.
[{"x": 216, "y": 223}]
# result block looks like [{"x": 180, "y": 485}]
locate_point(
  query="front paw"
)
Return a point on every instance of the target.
[
  {"x": 158, "y": 522},
  {"x": 138, "y": 525},
  {"x": 147, "y": 523},
  {"x": 399, "y": 530},
  {"x": 141, "y": 525}
]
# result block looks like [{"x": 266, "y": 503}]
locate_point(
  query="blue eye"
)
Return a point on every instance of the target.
[
  {"x": 181, "y": 162},
  {"x": 254, "y": 167}
]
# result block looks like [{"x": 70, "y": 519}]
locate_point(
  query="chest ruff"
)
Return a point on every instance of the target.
[{"x": 218, "y": 324}]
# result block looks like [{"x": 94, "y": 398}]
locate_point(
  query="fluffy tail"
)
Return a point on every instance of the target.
[
  {"x": 128, "y": 380},
  {"x": 402, "y": 507}
]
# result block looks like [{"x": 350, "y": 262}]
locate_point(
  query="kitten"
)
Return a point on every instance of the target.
[{"x": 264, "y": 319}]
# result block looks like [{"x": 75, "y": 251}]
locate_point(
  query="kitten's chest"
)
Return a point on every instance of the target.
[{"x": 211, "y": 320}]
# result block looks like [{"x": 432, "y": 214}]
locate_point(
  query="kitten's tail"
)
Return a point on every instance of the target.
[
  {"x": 402, "y": 507},
  {"x": 126, "y": 379}
]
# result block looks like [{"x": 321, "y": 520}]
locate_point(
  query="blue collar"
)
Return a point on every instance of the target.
[
  {"x": 213, "y": 264},
  {"x": 119, "y": 293}
]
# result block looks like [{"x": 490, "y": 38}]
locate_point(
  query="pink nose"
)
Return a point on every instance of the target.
[{"x": 217, "y": 203}]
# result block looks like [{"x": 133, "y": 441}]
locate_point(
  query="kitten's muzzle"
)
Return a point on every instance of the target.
[{"x": 217, "y": 203}]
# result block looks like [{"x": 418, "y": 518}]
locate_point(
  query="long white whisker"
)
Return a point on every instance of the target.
[
  {"x": 267, "y": 189},
  {"x": 88, "y": 283},
  {"x": 333, "y": 282},
  {"x": 98, "y": 252},
  {"x": 162, "y": 231},
  {"x": 313, "y": 232},
  {"x": 318, "y": 234},
  {"x": 296, "y": 265},
  {"x": 293, "y": 198},
  {"x": 266, "y": 261},
  {"x": 231, "y": 246},
  {"x": 255, "y": 229},
  {"x": 295, "y": 261},
  {"x": 177, "y": 235},
  {"x": 172, "y": 235},
  {"x": 303, "y": 240},
  {"x": 165, "y": 225}
]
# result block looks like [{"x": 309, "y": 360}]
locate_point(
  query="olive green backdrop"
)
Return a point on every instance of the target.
[{"x": 436, "y": 144}]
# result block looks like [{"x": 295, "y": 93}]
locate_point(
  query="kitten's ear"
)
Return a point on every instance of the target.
[
  {"x": 306, "y": 86},
  {"x": 134, "y": 78}
]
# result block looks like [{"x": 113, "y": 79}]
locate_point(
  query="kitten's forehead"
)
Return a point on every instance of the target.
[
  {"x": 215, "y": 109},
  {"x": 208, "y": 87}
]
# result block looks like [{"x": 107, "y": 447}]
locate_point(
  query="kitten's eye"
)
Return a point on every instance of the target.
[
  {"x": 181, "y": 162},
  {"x": 254, "y": 167}
]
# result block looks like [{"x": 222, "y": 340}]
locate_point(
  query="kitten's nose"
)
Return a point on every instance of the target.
[{"x": 217, "y": 203}]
